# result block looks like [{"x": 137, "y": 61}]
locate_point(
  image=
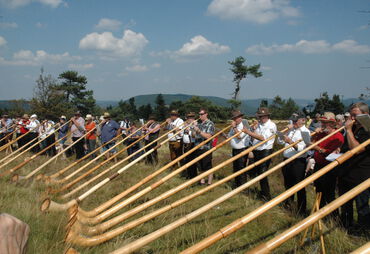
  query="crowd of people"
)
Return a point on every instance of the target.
[{"x": 89, "y": 133}]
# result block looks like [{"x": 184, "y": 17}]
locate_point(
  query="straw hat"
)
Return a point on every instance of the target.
[
  {"x": 63, "y": 117},
  {"x": 235, "y": 114},
  {"x": 174, "y": 113},
  {"x": 327, "y": 117},
  {"x": 106, "y": 115},
  {"x": 296, "y": 116},
  {"x": 263, "y": 112}
]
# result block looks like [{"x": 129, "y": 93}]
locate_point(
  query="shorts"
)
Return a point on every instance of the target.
[{"x": 109, "y": 145}]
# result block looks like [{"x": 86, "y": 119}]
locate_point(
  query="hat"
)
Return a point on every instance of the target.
[
  {"x": 263, "y": 112},
  {"x": 106, "y": 115},
  {"x": 77, "y": 113},
  {"x": 5, "y": 116},
  {"x": 235, "y": 114},
  {"x": 327, "y": 117},
  {"x": 152, "y": 117},
  {"x": 317, "y": 115},
  {"x": 174, "y": 113},
  {"x": 34, "y": 116},
  {"x": 297, "y": 115},
  {"x": 63, "y": 117},
  {"x": 347, "y": 114},
  {"x": 190, "y": 115},
  {"x": 88, "y": 117},
  {"x": 25, "y": 116}
]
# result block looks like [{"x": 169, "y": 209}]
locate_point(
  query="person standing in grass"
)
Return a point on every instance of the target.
[
  {"x": 188, "y": 144},
  {"x": 109, "y": 130},
  {"x": 23, "y": 130},
  {"x": 91, "y": 137},
  {"x": 202, "y": 131},
  {"x": 135, "y": 135},
  {"x": 238, "y": 145},
  {"x": 78, "y": 130},
  {"x": 259, "y": 132},
  {"x": 175, "y": 142},
  {"x": 153, "y": 128},
  {"x": 294, "y": 172},
  {"x": 33, "y": 127}
]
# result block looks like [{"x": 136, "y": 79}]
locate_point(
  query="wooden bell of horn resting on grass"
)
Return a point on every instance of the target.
[
  {"x": 104, "y": 215},
  {"x": 52, "y": 178},
  {"x": 47, "y": 204},
  {"x": 309, "y": 221},
  {"x": 234, "y": 226},
  {"x": 74, "y": 234},
  {"x": 18, "y": 138},
  {"x": 168, "y": 228},
  {"x": 89, "y": 172},
  {"x": 28, "y": 147},
  {"x": 66, "y": 178},
  {"x": 54, "y": 157},
  {"x": 118, "y": 197}
]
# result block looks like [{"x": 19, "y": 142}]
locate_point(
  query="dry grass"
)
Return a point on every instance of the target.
[{"x": 47, "y": 230}]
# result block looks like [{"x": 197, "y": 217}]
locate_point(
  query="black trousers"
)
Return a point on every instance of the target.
[
  {"x": 238, "y": 165},
  {"x": 191, "y": 171},
  {"x": 326, "y": 184},
  {"x": 79, "y": 147},
  {"x": 293, "y": 173},
  {"x": 33, "y": 136},
  {"x": 260, "y": 154},
  {"x": 205, "y": 163},
  {"x": 48, "y": 142},
  {"x": 153, "y": 157}
]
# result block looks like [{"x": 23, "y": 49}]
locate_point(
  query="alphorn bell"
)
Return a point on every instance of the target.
[
  {"x": 89, "y": 172},
  {"x": 73, "y": 236},
  {"x": 234, "y": 226},
  {"x": 170, "y": 192},
  {"x": 51, "y": 178},
  {"x": 50, "y": 205},
  {"x": 168, "y": 228},
  {"x": 54, "y": 157},
  {"x": 21, "y": 136},
  {"x": 28, "y": 148},
  {"x": 118, "y": 197},
  {"x": 309, "y": 221}
]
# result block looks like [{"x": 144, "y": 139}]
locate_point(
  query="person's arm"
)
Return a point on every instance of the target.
[
  {"x": 350, "y": 136},
  {"x": 253, "y": 134}
]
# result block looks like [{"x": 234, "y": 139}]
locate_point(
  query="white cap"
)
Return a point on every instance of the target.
[
  {"x": 347, "y": 114},
  {"x": 63, "y": 117},
  {"x": 34, "y": 116},
  {"x": 88, "y": 116}
]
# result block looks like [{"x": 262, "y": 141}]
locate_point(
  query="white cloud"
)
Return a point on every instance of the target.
[
  {"x": 310, "y": 47},
  {"x": 256, "y": 11},
  {"x": 108, "y": 24},
  {"x": 20, "y": 3},
  {"x": 130, "y": 44},
  {"x": 156, "y": 65},
  {"x": 199, "y": 45},
  {"x": 28, "y": 58},
  {"x": 5, "y": 25},
  {"x": 81, "y": 66},
  {"x": 266, "y": 68},
  {"x": 40, "y": 25},
  {"x": 2, "y": 41},
  {"x": 137, "y": 68}
]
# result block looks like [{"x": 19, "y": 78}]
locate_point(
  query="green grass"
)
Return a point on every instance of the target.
[{"x": 47, "y": 230}]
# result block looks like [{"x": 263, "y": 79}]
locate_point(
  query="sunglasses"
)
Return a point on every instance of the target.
[{"x": 202, "y": 113}]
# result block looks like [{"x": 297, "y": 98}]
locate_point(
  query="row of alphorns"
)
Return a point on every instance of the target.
[{"x": 89, "y": 228}]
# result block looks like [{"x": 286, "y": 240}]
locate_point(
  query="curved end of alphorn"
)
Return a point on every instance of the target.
[
  {"x": 70, "y": 250},
  {"x": 86, "y": 214},
  {"x": 72, "y": 211},
  {"x": 15, "y": 178},
  {"x": 71, "y": 222},
  {"x": 49, "y": 205}
]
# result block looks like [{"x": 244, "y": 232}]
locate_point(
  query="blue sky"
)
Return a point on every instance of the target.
[{"x": 128, "y": 48}]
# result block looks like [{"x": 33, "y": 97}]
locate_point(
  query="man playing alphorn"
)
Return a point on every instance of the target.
[{"x": 175, "y": 142}]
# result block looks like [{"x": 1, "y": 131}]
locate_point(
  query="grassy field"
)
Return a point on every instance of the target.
[{"x": 48, "y": 229}]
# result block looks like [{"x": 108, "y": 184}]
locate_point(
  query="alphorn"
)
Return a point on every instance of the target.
[
  {"x": 23, "y": 163},
  {"x": 89, "y": 172},
  {"x": 365, "y": 249},
  {"x": 52, "y": 158},
  {"x": 239, "y": 223},
  {"x": 104, "y": 215},
  {"x": 168, "y": 228},
  {"x": 50, "y": 205},
  {"x": 73, "y": 235},
  {"x": 118, "y": 197},
  {"x": 147, "y": 153},
  {"x": 51, "y": 179},
  {"x": 21, "y": 136},
  {"x": 28, "y": 148},
  {"x": 309, "y": 221}
]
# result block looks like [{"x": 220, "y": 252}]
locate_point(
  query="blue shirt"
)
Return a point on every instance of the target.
[
  {"x": 63, "y": 131},
  {"x": 109, "y": 130}
]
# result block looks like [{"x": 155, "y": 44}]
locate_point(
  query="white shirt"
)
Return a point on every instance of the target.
[
  {"x": 172, "y": 126},
  {"x": 187, "y": 137},
  {"x": 294, "y": 135},
  {"x": 266, "y": 130},
  {"x": 32, "y": 126},
  {"x": 239, "y": 142}
]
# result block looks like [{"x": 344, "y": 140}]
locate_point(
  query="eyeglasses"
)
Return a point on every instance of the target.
[{"x": 201, "y": 113}]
